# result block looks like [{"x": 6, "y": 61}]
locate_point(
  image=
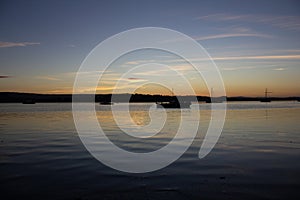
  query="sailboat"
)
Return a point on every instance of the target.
[
  {"x": 266, "y": 99},
  {"x": 174, "y": 103}
]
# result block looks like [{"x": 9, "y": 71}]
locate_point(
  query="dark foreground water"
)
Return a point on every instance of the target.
[{"x": 257, "y": 156}]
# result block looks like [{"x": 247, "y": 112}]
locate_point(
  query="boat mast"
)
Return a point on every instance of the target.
[{"x": 266, "y": 93}]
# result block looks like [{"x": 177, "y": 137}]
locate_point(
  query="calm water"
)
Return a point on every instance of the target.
[{"x": 257, "y": 156}]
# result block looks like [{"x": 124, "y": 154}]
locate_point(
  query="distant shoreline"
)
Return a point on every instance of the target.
[{"x": 16, "y": 97}]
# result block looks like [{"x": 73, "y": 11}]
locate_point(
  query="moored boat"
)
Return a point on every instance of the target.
[{"x": 174, "y": 104}]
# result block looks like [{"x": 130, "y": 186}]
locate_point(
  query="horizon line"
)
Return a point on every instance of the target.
[{"x": 32, "y": 93}]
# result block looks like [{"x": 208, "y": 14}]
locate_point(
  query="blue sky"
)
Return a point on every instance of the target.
[{"x": 254, "y": 43}]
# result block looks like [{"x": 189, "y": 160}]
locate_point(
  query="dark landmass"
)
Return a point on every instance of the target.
[{"x": 15, "y": 97}]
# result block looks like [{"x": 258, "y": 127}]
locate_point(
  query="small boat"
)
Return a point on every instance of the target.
[
  {"x": 266, "y": 99},
  {"x": 28, "y": 101},
  {"x": 106, "y": 103},
  {"x": 174, "y": 104}
]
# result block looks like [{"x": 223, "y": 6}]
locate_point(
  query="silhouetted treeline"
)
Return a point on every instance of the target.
[{"x": 14, "y": 97}]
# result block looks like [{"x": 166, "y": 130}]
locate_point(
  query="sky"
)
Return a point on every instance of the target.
[{"x": 255, "y": 44}]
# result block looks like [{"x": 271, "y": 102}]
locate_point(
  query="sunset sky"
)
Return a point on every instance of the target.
[{"x": 255, "y": 44}]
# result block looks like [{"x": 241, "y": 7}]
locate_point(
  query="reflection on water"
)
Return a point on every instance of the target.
[
  {"x": 43, "y": 158},
  {"x": 137, "y": 122}
]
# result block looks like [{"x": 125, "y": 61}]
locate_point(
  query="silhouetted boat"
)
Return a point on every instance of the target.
[
  {"x": 174, "y": 104},
  {"x": 266, "y": 99},
  {"x": 28, "y": 101},
  {"x": 106, "y": 103}
]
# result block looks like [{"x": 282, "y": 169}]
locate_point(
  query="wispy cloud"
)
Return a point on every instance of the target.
[
  {"x": 238, "y": 68},
  {"x": 231, "y": 32},
  {"x": 1, "y": 76},
  {"x": 17, "y": 44},
  {"x": 231, "y": 35},
  {"x": 137, "y": 62},
  {"x": 159, "y": 72},
  {"x": 150, "y": 73},
  {"x": 279, "y": 69},
  {"x": 133, "y": 79},
  {"x": 49, "y": 78},
  {"x": 288, "y": 22},
  {"x": 287, "y": 50},
  {"x": 60, "y": 90},
  {"x": 228, "y": 58},
  {"x": 269, "y": 57},
  {"x": 253, "y": 67},
  {"x": 132, "y": 63}
]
